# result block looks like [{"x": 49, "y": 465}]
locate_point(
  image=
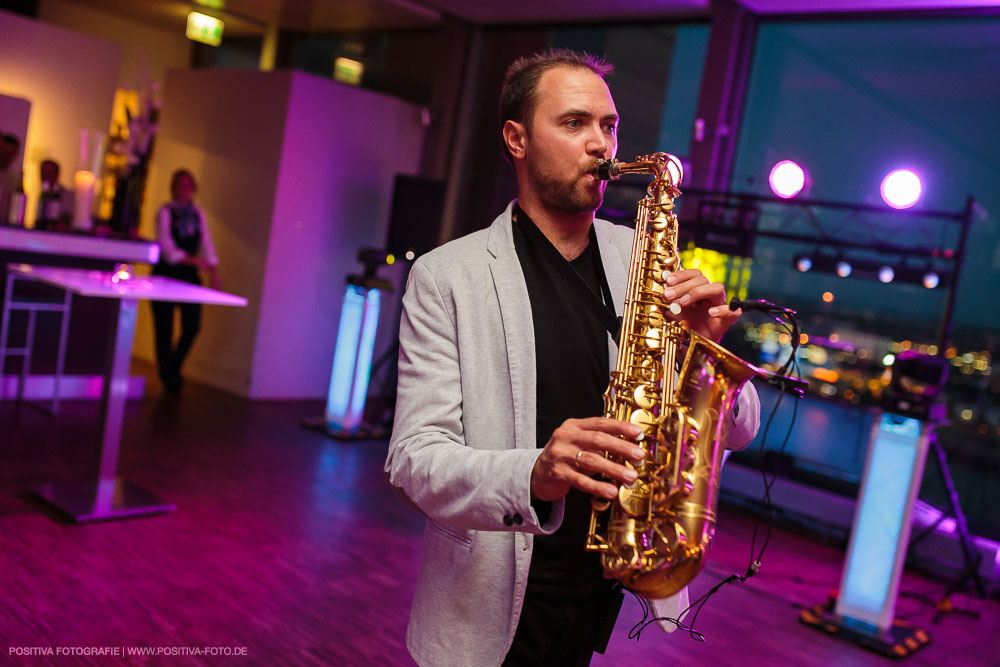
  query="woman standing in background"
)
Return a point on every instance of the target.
[{"x": 185, "y": 249}]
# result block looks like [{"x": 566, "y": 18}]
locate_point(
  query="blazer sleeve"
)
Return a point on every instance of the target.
[{"x": 429, "y": 462}]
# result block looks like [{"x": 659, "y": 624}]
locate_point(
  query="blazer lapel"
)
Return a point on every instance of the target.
[
  {"x": 518, "y": 328},
  {"x": 616, "y": 275}
]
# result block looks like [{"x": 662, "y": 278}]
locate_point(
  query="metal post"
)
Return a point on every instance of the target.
[{"x": 944, "y": 333}]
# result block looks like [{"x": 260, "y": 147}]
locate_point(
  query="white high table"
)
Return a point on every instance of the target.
[{"x": 111, "y": 497}]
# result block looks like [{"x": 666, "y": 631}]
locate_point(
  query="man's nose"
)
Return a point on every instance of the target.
[{"x": 597, "y": 143}]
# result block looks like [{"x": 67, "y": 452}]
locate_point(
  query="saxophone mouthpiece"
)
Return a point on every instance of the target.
[{"x": 607, "y": 170}]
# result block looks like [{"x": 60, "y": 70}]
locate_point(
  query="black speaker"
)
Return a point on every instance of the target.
[{"x": 415, "y": 220}]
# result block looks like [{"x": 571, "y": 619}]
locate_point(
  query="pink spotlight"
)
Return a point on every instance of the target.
[
  {"x": 787, "y": 179},
  {"x": 901, "y": 188}
]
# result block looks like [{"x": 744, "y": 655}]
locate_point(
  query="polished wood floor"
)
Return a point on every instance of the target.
[{"x": 292, "y": 546}]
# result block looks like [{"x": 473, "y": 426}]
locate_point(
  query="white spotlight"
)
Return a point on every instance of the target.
[
  {"x": 901, "y": 188},
  {"x": 787, "y": 179}
]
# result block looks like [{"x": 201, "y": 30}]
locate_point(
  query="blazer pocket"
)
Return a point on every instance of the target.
[{"x": 457, "y": 535}]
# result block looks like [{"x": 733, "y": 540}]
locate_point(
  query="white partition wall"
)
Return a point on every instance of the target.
[
  {"x": 342, "y": 148},
  {"x": 68, "y": 77},
  {"x": 295, "y": 175}
]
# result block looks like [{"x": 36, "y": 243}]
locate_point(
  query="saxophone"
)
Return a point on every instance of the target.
[{"x": 653, "y": 537}]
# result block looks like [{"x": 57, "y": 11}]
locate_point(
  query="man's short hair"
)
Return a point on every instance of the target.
[{"x": 519, "y": 95}]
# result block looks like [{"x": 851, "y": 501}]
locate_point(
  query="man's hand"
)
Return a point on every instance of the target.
[
  {"x": 703, "y": 304},
  {"x": 576, "y": 451}
]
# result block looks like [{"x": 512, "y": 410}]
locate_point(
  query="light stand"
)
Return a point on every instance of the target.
[
  {"x": 352, "y": 361},
  {"x": 864, "y": 610}
]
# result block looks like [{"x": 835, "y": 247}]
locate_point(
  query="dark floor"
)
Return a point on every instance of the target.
[{"x": 292, "y": 546}]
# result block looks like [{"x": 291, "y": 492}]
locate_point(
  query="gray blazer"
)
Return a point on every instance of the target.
[{"x": 463, "y": 444}]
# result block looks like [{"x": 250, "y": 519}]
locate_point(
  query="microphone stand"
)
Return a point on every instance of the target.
[{"x": 785, "y": 317}]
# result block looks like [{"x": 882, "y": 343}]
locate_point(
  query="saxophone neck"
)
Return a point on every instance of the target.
[{"x": 666, "y": 169}]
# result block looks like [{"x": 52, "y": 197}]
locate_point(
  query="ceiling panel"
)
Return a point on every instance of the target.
[
  {"x": 844, "y": 6},
  {"x": 547, "y": 11},
  {"x": 328, "y": 16}
]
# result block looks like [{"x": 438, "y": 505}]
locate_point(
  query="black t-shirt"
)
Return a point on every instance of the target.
[{"x": 571, "y": 353}]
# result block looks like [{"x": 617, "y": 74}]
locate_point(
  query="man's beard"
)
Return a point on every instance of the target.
[{"x": 570, "y": 196}]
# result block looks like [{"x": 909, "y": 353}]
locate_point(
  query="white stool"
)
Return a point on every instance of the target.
[{"x": 32, "y": 307}]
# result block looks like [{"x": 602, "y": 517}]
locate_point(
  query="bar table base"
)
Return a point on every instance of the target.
[{"x": 86, "y": 501}]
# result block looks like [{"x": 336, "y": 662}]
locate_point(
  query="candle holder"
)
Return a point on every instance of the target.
[
  {"x": 85, "y": 179},
  {"x": 84, "y": 183}
]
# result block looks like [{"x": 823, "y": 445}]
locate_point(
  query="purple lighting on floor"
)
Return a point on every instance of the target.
[
  {"x": 787, "y": 179},
  {"x": 901, "y": 188}
]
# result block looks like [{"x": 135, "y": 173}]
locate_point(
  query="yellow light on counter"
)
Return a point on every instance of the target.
[
  {"x": 203, "y": 28},
  {"x": 83, "y": 199},
  {"x": 348, "y": 71}
]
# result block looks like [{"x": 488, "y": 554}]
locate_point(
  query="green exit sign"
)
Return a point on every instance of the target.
[{"x": 205, "y": 29}]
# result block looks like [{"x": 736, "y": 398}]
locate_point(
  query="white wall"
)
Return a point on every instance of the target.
[
  {"x": 295, "y": 175},
  {"x": 227, "y": 127},
  {"x": 70, "y": 80},
  {"x": 342, "y": 149}
]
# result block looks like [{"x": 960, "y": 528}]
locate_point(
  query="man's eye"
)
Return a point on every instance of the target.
[
  {"x": 573, "y": 122},
  {"x": 610, "y": 128}
]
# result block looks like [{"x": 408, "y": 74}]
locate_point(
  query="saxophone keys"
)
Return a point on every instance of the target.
[
  {"x": 645, "y": 396},
  {"x": 653, "y": 338},
  {"x": 635, "y": 499},
  {"x": 675, "y": 308},
  {"x": 643, "y": 418}
]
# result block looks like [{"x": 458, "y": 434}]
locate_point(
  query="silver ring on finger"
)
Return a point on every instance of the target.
[{"x": 577, "y": 459}]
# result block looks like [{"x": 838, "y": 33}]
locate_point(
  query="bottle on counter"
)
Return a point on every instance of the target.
[
  {"x": 50, "y": 206},
  {"x": 18, "y": 203}
]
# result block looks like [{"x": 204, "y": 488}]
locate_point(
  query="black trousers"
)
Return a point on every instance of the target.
[
  {"x": 557, "y": 629},
  {"x": 170, "y": 355}
]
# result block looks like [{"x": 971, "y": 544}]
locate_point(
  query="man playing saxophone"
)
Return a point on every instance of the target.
[{"x": 505, "y": 351}]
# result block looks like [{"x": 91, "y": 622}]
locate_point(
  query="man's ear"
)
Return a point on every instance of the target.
[{"x": 515, "y": 136}]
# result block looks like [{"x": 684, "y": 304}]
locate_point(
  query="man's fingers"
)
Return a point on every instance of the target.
[
  {"x": 612, "y": 426},
  {"x": 613, "y": 445},
  {"x": 594, "y": 487},
  {"x": 713, "y": 293},
  {"x": 592, "y": 463},
  {"x": 683, "y": 275},
  {"x": 724, "y": 312},
  {"x": 599, "y": 442}
]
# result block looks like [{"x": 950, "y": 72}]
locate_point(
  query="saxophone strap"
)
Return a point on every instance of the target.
[{"x": 601, "y": 305}]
